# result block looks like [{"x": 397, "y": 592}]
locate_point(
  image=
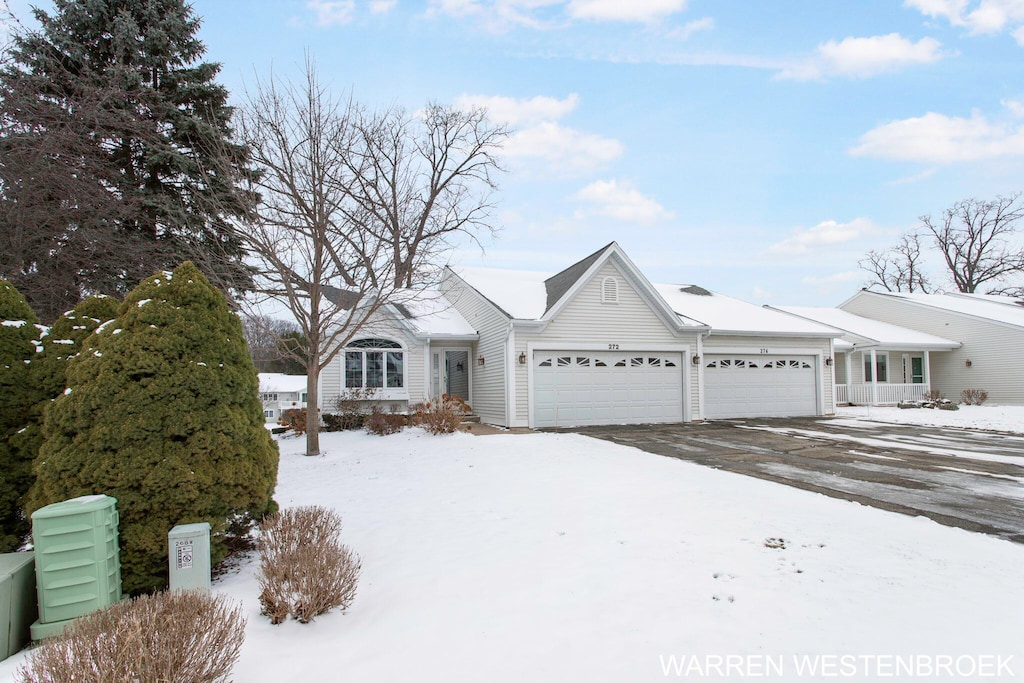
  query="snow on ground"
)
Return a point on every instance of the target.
[
  {"x": 996, "y": 418},
  {"x": 551, "y": 557}
]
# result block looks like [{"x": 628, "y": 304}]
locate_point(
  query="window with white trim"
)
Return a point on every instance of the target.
[
  {"x": 268, "y": 397},
  {"x": 610, "y": 290},
  {"x": 374, "y": 364},
  {"x": 881, "y": 366}
]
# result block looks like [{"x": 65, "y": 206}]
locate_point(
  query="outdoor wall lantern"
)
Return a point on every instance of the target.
[
  {"x": 828, "y": 361},
  {"x": 522, "y": 358},
  {"x": 695, "y": 360},
  {"x": 967, "y": 362},
  {"x": 459, "y": 367},
  {"x": 479, "y": 360}
]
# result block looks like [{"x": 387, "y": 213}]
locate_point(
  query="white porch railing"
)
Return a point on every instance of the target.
[{"x": 887, "y": 394}]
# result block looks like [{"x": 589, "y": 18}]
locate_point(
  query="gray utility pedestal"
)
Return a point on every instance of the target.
[
  {"x": 17, "y": 601},
  {"x": 188, "y": 556}
]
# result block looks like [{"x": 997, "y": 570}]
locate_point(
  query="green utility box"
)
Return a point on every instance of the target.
[
  {"x": 78, "y": 566},
  {"x": 17, "y": 601}
]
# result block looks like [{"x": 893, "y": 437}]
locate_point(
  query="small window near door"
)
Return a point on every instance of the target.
[
  {"x": 917, "y": 370},
  {"x": 881, "y": 365}
]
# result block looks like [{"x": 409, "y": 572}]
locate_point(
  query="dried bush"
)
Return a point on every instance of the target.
[
  {"x": 304, "y": 568},
  {"x": 973, "y": 397},
  {"x": 380, "y": 423},
  {"x": 441, "y": 416},
  {"x": 179, "y": 637},
  {"x": 353, "y": 407},
  {"x": 933, "y": 396},
  {"x": 294, "y": 419}
]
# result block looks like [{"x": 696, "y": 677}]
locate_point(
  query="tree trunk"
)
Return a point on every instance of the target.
[{"x": 313, "y": 401}]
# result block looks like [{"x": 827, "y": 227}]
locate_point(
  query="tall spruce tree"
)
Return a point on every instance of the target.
[
  {"x": 19, "y": 335},
  {"x": 115, "y": 153},
  {"x": 162, "y": 412}
]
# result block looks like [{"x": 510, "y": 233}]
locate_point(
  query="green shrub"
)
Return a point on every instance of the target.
[
  {"x": 180, "y": 636},
  {"x": 162, "y": 412},
  {"x": 19, "y": 397}
]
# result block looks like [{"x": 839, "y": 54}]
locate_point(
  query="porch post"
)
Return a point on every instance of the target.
[
  {"x": 849, "y": 374},
  {"x": 874, "y": 378},
  {"x": 927, "y": 370}
]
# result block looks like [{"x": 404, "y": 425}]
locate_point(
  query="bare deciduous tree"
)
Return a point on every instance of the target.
[
  {"x": 977, "y": 241},
  {"x": 898, "y": 268},
  {"x": 355, "y": 208}
]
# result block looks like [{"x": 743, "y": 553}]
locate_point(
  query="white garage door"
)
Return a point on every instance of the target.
[
  {"x": 759, "y": 386},
  {"x": 577, "y": 388}
]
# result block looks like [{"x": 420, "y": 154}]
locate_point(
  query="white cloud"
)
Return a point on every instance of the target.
[
  {"x": 1014, "y": 107},
  {"x": 864, "y": 57},
  {"x": 641, "y": 11},
  {"x": 566, "y": 149},
  {"x": 689, "y": 28},
  {"x": 1018, "y": 35},
  {"x": 914, "y": 178},
  {"x": 834, "y": 282},
  {"x": 519, "y": 112},
  {"x": 540, "y": 136},
  {"x": 936, "y": 138},
  {"x": 382, "y": 6},
  {"x": 619, "y": 200},
  {"x": 760, "y": 293},
  {"x": 331, "y": 12},
  {"x": 984, "y": 16},
  {"x": 824, "y": 235}
]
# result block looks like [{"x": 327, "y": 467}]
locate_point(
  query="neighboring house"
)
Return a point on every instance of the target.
[
  {"x": 878, "y": 363},
  {"x": 989, "y": 329},
  {"x": 594, "y": 344},
  {"x": 280, "y": 392}
]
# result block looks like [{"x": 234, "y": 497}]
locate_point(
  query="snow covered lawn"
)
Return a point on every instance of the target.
[
  {"x": 995, "y": 418},
  {"x": 549, "y": 557}
]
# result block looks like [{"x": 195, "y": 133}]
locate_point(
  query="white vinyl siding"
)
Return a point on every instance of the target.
[
  {"x": 588, "y": 322},
  {"x": 492, "y": 326},
  {"x": 993, "y": 348}
]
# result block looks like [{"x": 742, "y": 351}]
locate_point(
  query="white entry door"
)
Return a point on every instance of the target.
[
  {"x": 578, "y": 388},
  {"x": 759, "y": 386}
]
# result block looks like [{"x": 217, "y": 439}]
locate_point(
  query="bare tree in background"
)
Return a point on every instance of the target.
[
  {"x": 424, "y": 179},
  {"x": 898, "y": 268},
  {"x": 978, "y": 241},
  {"x": 274, "y": 343},
  {"x": 354, "y": 208}
]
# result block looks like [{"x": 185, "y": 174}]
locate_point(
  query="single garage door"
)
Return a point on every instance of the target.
[
  {"x": 759, "y": 386},
  {"x": 577, "y": 388}
]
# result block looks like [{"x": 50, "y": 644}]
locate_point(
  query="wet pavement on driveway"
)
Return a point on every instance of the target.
[{"x": 969, "y": 479}]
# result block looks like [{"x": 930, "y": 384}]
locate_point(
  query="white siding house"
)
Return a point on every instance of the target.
[
  {"x": 280, "y": 392},
  {"x": 594, "y": 344},
  {"x": 989, "y": 330}
]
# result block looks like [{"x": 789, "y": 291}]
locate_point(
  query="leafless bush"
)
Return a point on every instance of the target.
[
  {"x": 353, "y": 407},
  {"x": 294, "y": 419},
  {"x": 179, "y": 637},
  {"x": 380, "y": 423},
  {"x": 304, "y": 569},
  {"x": 441, "y": 416},
  {"x": 933, "y": 395},
  {"x": 973, "y": 397}
]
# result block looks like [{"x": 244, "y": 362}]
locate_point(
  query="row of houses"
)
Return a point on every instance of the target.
[{"x": 597, "y": 343}]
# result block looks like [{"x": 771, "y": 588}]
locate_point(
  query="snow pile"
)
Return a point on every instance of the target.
[
  {"x": 549, "y": 557},
  {"x": 994, "y": 418}
]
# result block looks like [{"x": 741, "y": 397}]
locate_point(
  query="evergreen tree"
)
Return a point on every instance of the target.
[
  {"x": 18, "y": 395},
  {"x": 162, "y": 412},
  {"x": 117, "y": 88}
]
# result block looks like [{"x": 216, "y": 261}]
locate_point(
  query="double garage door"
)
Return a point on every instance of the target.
[
  {"x": 759, "y": 386},
  {"x": 578, "y": 388}
]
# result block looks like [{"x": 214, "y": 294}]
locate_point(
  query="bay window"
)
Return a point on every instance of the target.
[{"x": 374, "y": 364}]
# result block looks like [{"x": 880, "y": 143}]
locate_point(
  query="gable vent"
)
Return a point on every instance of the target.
[{"x": 610, "y": 290}]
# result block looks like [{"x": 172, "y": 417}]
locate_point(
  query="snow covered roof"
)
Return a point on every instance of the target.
[
  {"x": 520, "y": 294},
  {"x": 276, "y": 381},
  {"x": 860, "y": 331},
  {"x": 725, "y": 314},
  {"x": 430, "y": 314},
  {"x": 987, "y": 306}
]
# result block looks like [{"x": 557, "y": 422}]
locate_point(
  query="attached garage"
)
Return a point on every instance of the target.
[
  {"x": 579, "y": 388},
  {"x": 760, "y": 386}
]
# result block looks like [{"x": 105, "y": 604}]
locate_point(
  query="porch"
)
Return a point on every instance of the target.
[
  {"x": 863, "y": 377},
  {"x": 879, "y": 394}
]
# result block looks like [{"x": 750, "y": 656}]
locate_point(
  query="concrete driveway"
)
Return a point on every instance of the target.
[{"x": 963, "y": 478}]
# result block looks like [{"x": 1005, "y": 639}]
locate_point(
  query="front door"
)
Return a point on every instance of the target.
[
  {"x": 449, "y": 373},
  {"x": 913, "y": 369}
]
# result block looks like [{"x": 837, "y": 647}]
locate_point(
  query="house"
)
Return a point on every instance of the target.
[
  {"x": 595, "y": 343},
  {"x": 989, "y": 330},
  {"x": 280, "y": 392},
  {"x": 878, "y": 363}
]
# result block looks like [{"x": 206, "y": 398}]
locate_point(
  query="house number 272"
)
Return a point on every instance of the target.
[{"x": 613, "y": 347}]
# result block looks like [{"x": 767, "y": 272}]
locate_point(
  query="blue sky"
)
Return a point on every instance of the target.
[{"x": 758, "y": 149}]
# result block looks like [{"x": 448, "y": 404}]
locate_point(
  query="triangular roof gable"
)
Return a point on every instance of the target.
[{"x": 593, "y": 263}]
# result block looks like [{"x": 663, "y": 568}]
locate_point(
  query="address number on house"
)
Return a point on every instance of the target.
[{"x": 613, "y": 347}]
